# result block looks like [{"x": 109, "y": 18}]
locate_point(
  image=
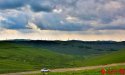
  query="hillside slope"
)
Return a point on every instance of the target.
[
  {"x": 33, "y": 55},
  {"x": 14, "y": 57},
  {"x": 80, "y": 48},
  {"x": 114, "y": 57}
]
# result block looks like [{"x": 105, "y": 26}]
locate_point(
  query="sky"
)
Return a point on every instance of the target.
[{"x": 87, "y": 20}]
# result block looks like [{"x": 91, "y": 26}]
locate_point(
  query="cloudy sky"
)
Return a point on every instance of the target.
[{"x": 62, "y": 19}]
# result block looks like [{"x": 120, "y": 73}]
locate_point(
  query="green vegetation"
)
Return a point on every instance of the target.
[
  {"x": 15, "y": 57},
  {"x": 115, "y": 57},
  {"x": 18, "y": 56},
  {"x": 79, "y": 48},
  {"x": 86, "y": 72}
]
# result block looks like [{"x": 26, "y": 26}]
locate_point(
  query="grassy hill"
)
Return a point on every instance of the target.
[
  {"x": 115, "y": 57},
  {"x": 79, "y": 48},
  {"x": 14, "y": 57},
  {"x": 33, "y": 55}
]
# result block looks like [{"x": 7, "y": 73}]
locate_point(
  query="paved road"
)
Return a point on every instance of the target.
[{"x": 68, "y": 69}]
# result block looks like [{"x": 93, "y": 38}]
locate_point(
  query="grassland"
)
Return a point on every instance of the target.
[
  {"x": 114, "y": 57},
  {"x": 15, "y": 57},
  {"x": 27, "y": 56},
  {"x": 79, "y": 48},
  {"x": 85, "y": 72}
]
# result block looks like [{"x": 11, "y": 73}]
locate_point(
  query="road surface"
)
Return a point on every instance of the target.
[{"x": 68, "y": 69}]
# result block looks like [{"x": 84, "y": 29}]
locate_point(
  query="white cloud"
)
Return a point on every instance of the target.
[
  {"x": 57, "y": 10},
  {"x": 33, "y": 26},
  {"x": 2, "y": 18}
]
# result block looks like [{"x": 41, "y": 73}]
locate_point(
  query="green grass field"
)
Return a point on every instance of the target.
[
  {"x": 114, "y": 57},
  {"x": 22, "y": 58},
  {"x": 85, "y": 72},
  {"x": 28, "y": 56}
]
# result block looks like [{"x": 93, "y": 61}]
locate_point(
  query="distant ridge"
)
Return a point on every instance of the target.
[{"x": 61, "y": 40}]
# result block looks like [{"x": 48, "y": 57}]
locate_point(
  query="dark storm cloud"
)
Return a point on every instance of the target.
[
  {"x": 41, "y": 5},
  {"x": 11, "y": 4},
  {"x": 38, "y": 8}
]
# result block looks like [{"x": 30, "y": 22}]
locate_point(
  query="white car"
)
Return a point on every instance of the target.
[{"x": 45, "y": 70}]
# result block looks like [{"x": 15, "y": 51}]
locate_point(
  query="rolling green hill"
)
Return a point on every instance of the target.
[
  {"x": 33, "y": 55},
  {"x": 14, "y": 57},
  {"x": 115, "y": 57},
  {"x": 74, "y": 47}
]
